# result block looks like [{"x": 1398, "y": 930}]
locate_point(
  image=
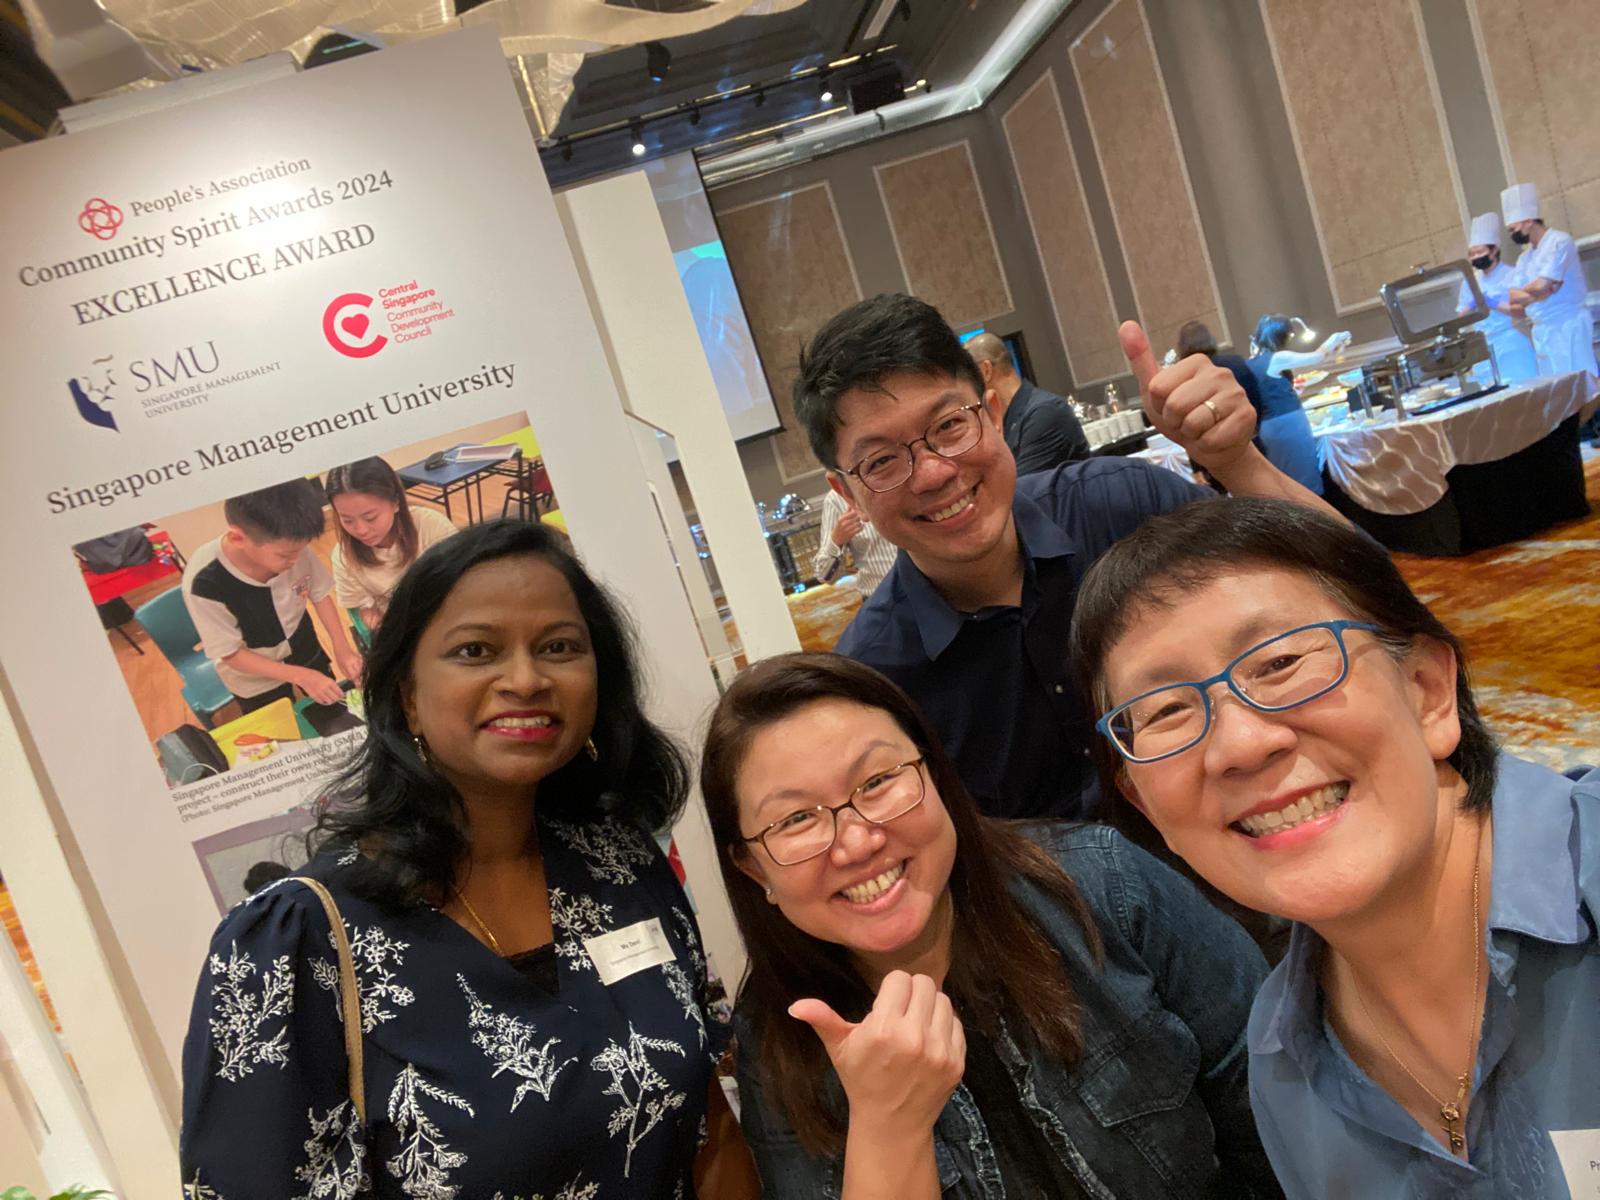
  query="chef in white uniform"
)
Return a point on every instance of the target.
[
  {"x": 1548, "y": 282},
  {"x": 1513, "y": 352}
]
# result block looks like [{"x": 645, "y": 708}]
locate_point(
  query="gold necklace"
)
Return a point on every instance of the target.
[
  {"x": 494, "y": 943},
  {"x": 1449, "y": 1110}
]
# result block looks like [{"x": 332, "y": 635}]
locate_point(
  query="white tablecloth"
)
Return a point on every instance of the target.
[{"x": 1399, "y": 467}]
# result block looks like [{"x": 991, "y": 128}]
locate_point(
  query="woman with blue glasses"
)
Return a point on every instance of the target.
[{"x": 1299, "y": 728}]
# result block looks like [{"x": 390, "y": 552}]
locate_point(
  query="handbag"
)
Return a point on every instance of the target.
[
  {"x": 349, "y": 999},
  {"x": 125, "y": 548}
]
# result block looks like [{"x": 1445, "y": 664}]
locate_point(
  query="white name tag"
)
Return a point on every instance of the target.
[
  {"x": 1579, "y": 1152},
  {"x": 624, "y": 952}
]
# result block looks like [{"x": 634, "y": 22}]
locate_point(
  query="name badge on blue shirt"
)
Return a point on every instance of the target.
[{"x": 1579, "y": 1152}]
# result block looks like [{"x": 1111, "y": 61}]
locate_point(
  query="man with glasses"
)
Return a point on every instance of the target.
[{"x": 973, "y": 619}]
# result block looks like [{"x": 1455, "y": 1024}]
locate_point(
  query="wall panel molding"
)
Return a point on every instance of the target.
[
  {"x": 1050, "y": 180},
  {"x": 943, "y": 236},
  {"x": 1372, "y": 143},
  {"x": 1540, "y": 60},
  {"x": 794, "y": 270},
  {"x": 1146, "y": 176}
]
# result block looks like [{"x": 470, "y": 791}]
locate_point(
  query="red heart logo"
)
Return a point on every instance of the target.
[{"x": 356, "y": 326}]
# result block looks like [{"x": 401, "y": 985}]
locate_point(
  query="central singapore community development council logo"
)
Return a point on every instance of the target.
[{"x": 349, "y": 328}]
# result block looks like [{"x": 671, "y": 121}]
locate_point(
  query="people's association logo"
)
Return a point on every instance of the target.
[
  {"x": 93, "y": 394},
  {"x": 101, "y": 218},
  {"x": 349, "y": 328}
]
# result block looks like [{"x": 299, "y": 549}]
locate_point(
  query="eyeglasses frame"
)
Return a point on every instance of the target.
[
  {"x": 908, "y": 448},
  {"x": 920, "y": 763},
  {"x": 1204, "y": 686}
]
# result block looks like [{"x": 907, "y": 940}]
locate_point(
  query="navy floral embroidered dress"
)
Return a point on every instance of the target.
[{"x": 483, "y": 1082}]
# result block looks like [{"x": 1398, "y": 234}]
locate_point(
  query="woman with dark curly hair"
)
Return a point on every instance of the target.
[{"x": 532, "y": 991}]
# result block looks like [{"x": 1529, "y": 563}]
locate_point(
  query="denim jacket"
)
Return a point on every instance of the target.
[{"x": 1157, "y": 1106}]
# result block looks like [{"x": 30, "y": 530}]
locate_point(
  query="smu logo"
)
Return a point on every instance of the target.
[
  {"x": 94, "y": 393},
  {"x": 348, "y": 327},
  {"x": 100, "y": 218}
]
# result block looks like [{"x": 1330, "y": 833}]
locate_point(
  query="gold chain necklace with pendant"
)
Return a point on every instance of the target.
[{"x": 1449, "y": 1110}]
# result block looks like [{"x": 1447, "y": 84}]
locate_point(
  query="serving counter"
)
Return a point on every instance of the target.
[{"x": 1475, "y": 474}]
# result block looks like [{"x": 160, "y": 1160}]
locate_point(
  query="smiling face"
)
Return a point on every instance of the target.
[
  {"x": 367, "y": 518},
  {"x": 878, "y": 888},
  {"x": 952, "y": 512},
  {"x": 503, "y": 685},
  {"x": 1315, "y": 813}
]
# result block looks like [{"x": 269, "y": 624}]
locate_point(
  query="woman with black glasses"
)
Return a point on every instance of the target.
[
  {"x": 940, "y": 1003},
  {"x": 1299, "y": 728}
]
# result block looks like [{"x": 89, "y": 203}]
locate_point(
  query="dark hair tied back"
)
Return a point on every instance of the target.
[{"x": 373, "y": 477}]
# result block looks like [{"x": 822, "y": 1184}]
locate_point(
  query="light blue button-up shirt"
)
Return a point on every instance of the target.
[{"x": 1332, "y": 1132}]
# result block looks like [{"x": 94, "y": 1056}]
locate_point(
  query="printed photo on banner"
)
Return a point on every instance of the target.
[
  {"x": 239, "y": 862},
  {"x": 240, "y": 626}
]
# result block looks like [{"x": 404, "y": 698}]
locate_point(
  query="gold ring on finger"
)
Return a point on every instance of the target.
[{"x": 1216, "y": 413}]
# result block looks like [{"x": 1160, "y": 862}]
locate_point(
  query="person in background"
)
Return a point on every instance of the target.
[
  {"x": 1434, "y": 1031},
  {"x": 1549, "y": 285},
  {"x": 263, "y": 873},
  {"x": 844, "y": 528},
  {"x": 248, "y": 592},
  {"x": 1285, "y": 429},
  {"x": 1195, "y": 337},
  {"x": 1039, "y": 426},
  {"x": 1513, "y": 352},
  {"x": 941, "y": 1004},
  {"x": 972, "y": 617},
  {"x": 380, "y": 534},
  {"x": 491, "y": 848}
]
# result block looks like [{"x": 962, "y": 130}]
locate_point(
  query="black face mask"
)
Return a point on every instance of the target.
[
  {"x": 1483, "y": 262},
  {"x": 1520, "y": 237}
]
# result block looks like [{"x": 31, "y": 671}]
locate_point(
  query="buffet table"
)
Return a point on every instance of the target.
[{"x": 1458, "y": 479}]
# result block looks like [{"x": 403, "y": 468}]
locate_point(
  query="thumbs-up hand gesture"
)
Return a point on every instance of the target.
[
  {"x": 1196, "y": 403},
  {"x": 899, "y": 1065}
]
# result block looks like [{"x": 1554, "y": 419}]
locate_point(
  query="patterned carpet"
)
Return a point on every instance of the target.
[{"x": 1528, "y": 613}]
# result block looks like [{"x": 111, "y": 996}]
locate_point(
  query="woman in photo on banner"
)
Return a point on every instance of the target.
[
  {"x": 1299, "y": 728},
  {"x": 534, "y": 1006},
  {"x": 945, "y": 1004},
  {"x": 380, "y": 535}
]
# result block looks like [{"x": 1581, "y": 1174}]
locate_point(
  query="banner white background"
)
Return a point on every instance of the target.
[{"x": 414, "y": 164}]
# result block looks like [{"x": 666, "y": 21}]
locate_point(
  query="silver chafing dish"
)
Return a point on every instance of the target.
[{"x": 1442, "y": 362}]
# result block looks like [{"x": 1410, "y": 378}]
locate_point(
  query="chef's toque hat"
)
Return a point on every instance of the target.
[
  {"x": 1485, "y": 230},
  {"x": 1519, "y": 202}
]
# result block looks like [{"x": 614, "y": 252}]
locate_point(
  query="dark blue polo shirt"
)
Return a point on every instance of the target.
[
  {"x": 1041, "y": 430},
  {"x": 995, "y": 683}
]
